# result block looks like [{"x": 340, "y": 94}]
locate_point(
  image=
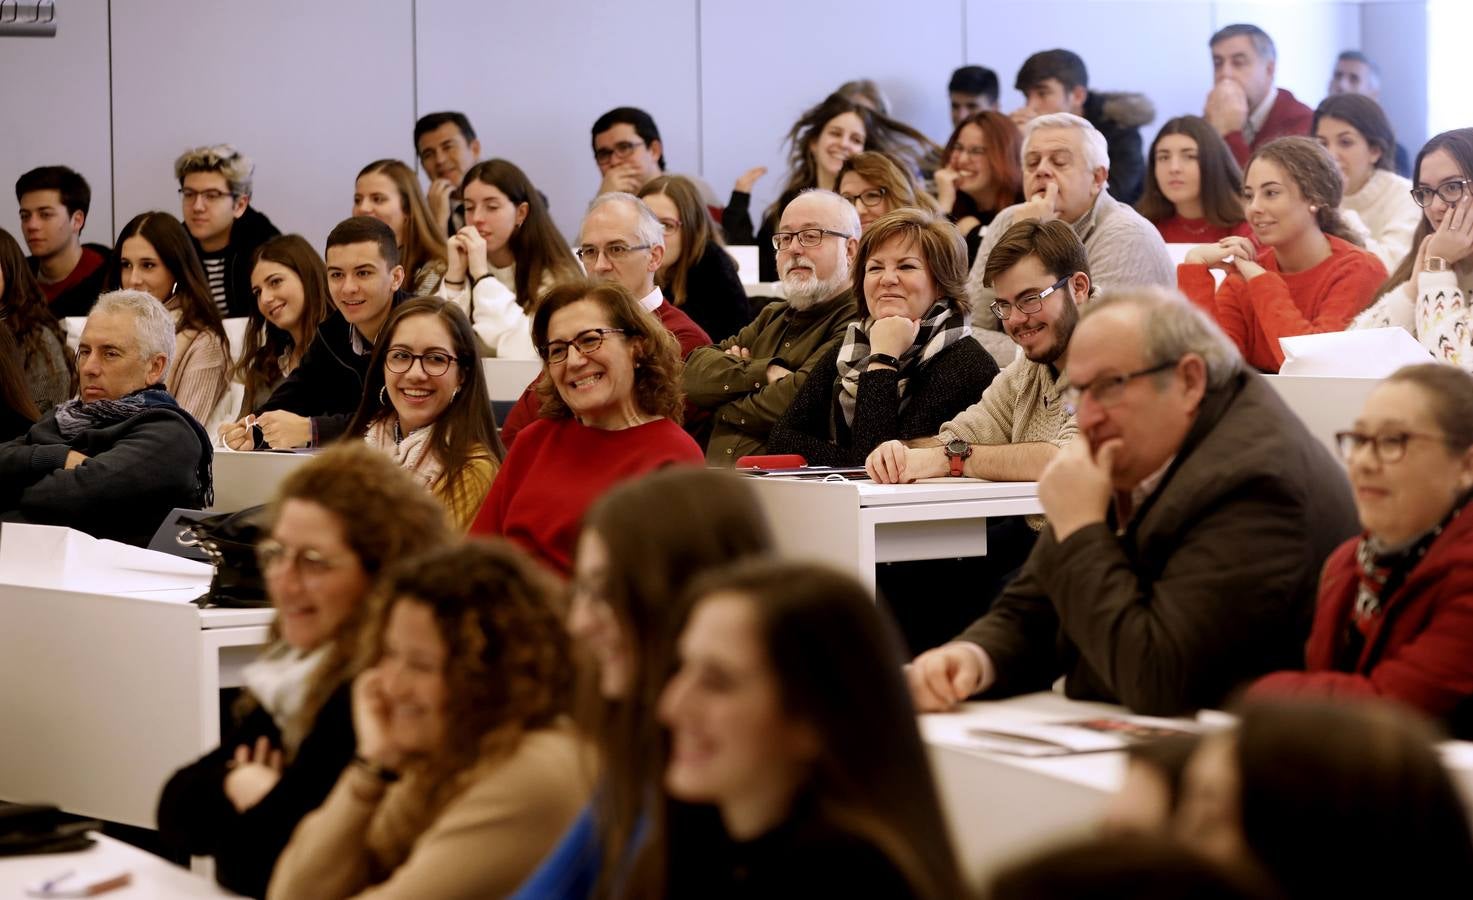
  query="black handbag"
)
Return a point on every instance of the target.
[
  {"x": 229, "y": 540},
  {"x": 26, "y": 829}
]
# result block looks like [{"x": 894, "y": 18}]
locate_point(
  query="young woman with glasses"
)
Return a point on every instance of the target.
[
  {"x": 506, "y": 256},
  {"x": 1395, "y": 603},
  {"x": 876, "y": 186},
  {"x": 425, "y": 404},
  {"x": 611, "y": 410},
  {"x": 696, "y": 273},
  {"x": 1311, "y": 276},
  {"x": 983, "y": 174},
  {"x": 1429, "y": 292},
  {"x": 334, "y": 525}
]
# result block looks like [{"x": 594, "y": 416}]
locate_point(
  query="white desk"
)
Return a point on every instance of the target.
[
  {"x": 153, "y": 878},
  {"x": 856, "y": 524},
  {"x": 1001, "y": 807},
  {"x": 103, "y": 696}
]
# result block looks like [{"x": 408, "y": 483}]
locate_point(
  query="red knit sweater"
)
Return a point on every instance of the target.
[
  {"x": 1179, "y": 230},
  {"x": 559, "y": 467},
  {"x": 1255, "y": 314}
]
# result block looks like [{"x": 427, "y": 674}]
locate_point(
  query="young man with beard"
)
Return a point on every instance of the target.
[
  {"x": 1039, "y": 274},
  {"x": 748, "y": 380}
]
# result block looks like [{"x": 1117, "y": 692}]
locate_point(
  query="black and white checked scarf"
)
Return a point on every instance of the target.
[{"x": 942, "y": 327}]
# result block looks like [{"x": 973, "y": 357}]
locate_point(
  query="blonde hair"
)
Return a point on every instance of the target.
[{"x": 222, "y": 158}]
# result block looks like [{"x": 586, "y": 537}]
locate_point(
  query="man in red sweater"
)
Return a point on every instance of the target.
[
  {"x": 621, "y": 240},
  {"x": 1244, "y": 106}
]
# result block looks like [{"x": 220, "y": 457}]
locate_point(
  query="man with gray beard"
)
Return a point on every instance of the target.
[{"x": 748, "y": 381}]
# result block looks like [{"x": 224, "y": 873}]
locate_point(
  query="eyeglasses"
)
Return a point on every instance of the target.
[
  {"x": 210, "y": 196},
  {"x": 274, "y": 556},
  {"x": 669, "y": 225},
  {"x": 622, "y": 149},
  {"x": 976, "y": 152},
  {"x": 587, "y": 343},
  {"x": 1450, "y": 192},
  {"x": 1028, "y": 304},
  {"x": 1387, "y": 448},
  {"x": 1106, "y": 389},
  {"x": 870, "y": 198},
  {"x": 434, "y": 363},
  {"x": 808, "y": 237},
  {"x": 588, "y": 253}
]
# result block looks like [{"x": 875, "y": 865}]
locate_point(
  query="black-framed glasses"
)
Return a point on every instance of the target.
[
  {"x": 1450, "y": 192},
  {"x": 435, "y": 363},
  {"x": 1028, "y": 304},
  {"x": 870, "y": 198},
  {"x": 622, "y": 149},
  {"x": 211, "y": 196},
  {"x": 587, "y": 343},
  {"x": 808, "y": 237},
  {"x": 1107, "y": 389},
  {"x": 588, "y": 253},
  {"x": 1387, "y": 448}
]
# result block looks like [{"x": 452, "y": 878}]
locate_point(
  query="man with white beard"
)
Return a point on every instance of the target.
[{"x": 748, "y": 381}]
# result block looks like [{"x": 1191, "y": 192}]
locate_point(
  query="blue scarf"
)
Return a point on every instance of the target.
[{"x": 74, "y": 417}]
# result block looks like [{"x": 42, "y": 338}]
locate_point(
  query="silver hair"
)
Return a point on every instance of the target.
[
  {"x": 813, "y": 292},
  {"x": 1174, "y": 327},
  {"x": 647, "y": 227},
  {"x": 222, "y": 158},
  {"x": 846, "y": 210},
  {"x": 1096, "y": 151},
  {"x": 153, "y": 324},
  {"x": 1263, "y": 45}
]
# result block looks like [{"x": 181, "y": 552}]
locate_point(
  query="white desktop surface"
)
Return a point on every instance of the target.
[{"x": 153, "y": 878}]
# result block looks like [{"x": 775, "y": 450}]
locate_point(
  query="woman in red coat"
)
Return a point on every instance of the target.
[{"x": 1395, "y": 615}]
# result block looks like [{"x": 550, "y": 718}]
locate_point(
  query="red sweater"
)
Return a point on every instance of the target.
[
  {"x": 1285, "y": 118},
  {"x": 686, "y": 331},
  {"x": 1178, "y": 230},
  {"x": 559, "y": 467},
  {"x": 1419, "y": 651},
  {"x": 1255, "y": 314}
]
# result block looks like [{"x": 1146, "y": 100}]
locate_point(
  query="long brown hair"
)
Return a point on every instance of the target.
[
  {"x": 423, "y": 242},
  {"x": 537, "y": 246},
  {"x": 1310, "y": 167},
  {"x": 260, "y": 359},
  {"x": 657, "y": 390},
  {"x": 1366, "y": 116},
  {"x": 659, "y": 532},
  {"x": 14, "y": 394},
  {"x": 881, "y": 171},
  {"x": 1219, "y": 180},
  {"x": 697, "y": 231},
  {"x": 1458, "y": 144},
  {"x": 825, "y": 641},
  {"x": 467, "y": 427},
  {"x": 1004, "y": 143},
  {"x": 197, "y": 309},
  {"x": 23, "y": 307}
]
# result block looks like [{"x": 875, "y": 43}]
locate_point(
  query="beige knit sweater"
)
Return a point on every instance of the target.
[
  {"x": 197, "y": 374},
  {"x": 1021, "y": 406}
]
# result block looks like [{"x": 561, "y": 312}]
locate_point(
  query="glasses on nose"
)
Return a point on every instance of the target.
[
  {"x": 434, "y": 363},
  {"x": 1108, "y": 389},
  {"x": 587, "y": 343},
  {"x": 622, "y": 150},
  {"x": 588, "y": 253},
  {"x": 210, "y": 196},
  {"x": 1450, "y": 192},
  {"x": 1028, "y": 304},
  {"x": 975, "y": 151},
  {"x": 1390, "y": 447},
  {"x": 870, "y": 198},
  {"x": 808, "y": 237},
  {"x": 273, "y": 556}
]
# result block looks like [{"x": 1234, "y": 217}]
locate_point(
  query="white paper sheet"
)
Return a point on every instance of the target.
[
  {"x": 1363, "y": 353},
  {"x": 55, "y": 557}
]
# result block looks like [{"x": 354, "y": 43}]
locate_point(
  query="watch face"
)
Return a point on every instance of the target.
[{"x": 956, "y": 447}]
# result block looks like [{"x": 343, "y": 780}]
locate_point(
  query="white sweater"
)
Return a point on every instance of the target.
[
  {"x": 503, "y": 328},
  {"x": 1433, "y": 306},
  {"x": 1385, "y": 214}
]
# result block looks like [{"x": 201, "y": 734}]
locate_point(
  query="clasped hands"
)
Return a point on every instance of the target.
[
  {"x": 466, "y": 254},
  {"x": 1233, "y": 252}
]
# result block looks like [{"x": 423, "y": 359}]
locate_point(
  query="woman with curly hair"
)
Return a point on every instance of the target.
[
  {"x": 289, "y": 283},
  {"x": 611, "y": 410},
  {"x": 819, "y": 142},
  {"x": 51, "y": 374},
  {"x": 335, "y": 525},
  {"x": 388, "y": 190},
  {"x": 467, "y": 768}
]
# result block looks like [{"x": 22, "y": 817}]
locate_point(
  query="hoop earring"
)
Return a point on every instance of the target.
[{"x": 383, "y": 396}]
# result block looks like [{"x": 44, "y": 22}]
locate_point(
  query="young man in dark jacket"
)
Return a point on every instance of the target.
[
  {"x": 115, "y": 461},
  {"x": 54, "y": 202},
  {"x": 313, "y": 405},
  {"x": 215, "y": 196}
]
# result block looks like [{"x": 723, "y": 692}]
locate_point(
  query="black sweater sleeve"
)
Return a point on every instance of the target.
[
  {"x": 736, "y": 221},
  {"x": 804, "y": 428},
  {"x": 195, "y": 815},
  {"x": 715, "y": 298}
]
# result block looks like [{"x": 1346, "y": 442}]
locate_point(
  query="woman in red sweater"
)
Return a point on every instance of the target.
[
  {"x": 611, "y": 409},
  {"x": 1395, "y": 613},
  {"x": 1309, "y": 277},
  {"x": 1195, "y": 191}
]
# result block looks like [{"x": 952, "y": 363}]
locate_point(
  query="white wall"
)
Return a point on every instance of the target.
[{"x": 313, "y": 91}]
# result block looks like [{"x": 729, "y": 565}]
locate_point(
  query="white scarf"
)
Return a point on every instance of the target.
[
  {"x": 280, "y": 677},
  {"x": 411, "y": 451}
]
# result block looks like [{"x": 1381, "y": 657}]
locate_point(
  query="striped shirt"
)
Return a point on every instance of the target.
[{"x": 215, "y": 273}]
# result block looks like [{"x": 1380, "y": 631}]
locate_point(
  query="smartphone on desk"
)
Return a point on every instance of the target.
[{"x": 87, "y": 882}]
